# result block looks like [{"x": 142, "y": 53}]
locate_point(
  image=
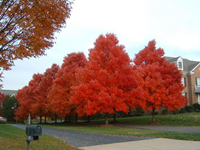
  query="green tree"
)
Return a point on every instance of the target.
[{"x": 7, "y": 111}]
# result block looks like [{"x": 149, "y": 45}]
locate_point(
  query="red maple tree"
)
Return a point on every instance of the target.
[
  {"x": 26, "y": 98},
  {"x": 161, "y": 80},
  {"x": 41, "y": 106},
  {"x": 106, "y": 79},
  {"x": 60, "y": 93},
  {"x": 2, "y": 97}
]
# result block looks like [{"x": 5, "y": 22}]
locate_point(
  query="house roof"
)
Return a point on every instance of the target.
[
  {"x": 188, "y": 65},
  {"x": 9, "y": 92}
]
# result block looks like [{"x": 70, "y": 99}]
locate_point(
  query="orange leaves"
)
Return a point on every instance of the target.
[
  {"x": 108, "y": 82},
  {"x": 64, "y": 80},
  {"x": 27, "y": 27},
  {"x": 103, "y": 81},
  {"x": 32, "y": 99},
  {"x": 162, "y": 80}
]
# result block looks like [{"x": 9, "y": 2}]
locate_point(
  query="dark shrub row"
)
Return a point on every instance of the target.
[{"x": 194, "y": 108}]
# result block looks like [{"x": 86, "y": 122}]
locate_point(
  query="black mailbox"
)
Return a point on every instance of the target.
[{"x": 33, "y": 131}]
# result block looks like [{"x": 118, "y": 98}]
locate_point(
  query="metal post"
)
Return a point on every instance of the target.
[
  {"x": 29, "y": 119},
  {"x": 28, "y": 137},
  {"x": 28, "y": 145}
]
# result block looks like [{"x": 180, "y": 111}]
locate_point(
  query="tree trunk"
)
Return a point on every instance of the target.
[
  {"x": 153, "y": 113},
  {"x": 70, "y": 118},
  {"x": 40, "y": 119},
  {"x": 106, "y": 118},
  {"x": 61, "y": 119},
  {"x": 55, "y": 118},
  {"x": 114, "y": 117},
  {"x": 45, "y": 119},
  {"x": 88, "y": 119},
  {"x": 76, "y": 117},
  {"x": 66, "y": 118}
]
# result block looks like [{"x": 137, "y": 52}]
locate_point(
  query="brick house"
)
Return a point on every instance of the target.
[{"x": 190, "y": 79}]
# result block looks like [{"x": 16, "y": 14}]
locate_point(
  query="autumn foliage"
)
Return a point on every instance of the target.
[
  {"x": 162, "y": 81},
  {"x": 108, "y": 82},
  {"x": 104, "y": 80},
  {"x": 2, "y": 97},
  {"x": 60, "y": 94},
  {"x": 26, "y": 97},
  {"x": 41, "y": 106},
  {"x": 27, "y": 27}
]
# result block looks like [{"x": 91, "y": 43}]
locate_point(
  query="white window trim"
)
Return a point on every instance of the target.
[
  {"x": 183, "y": 80},
  {"x": 199, "y": 98},
  {"x": 180, "y": 60},
  {"x": 198, "y": 85}
]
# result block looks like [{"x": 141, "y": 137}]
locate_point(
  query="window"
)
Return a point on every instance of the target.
[
  {"x": 184, "y": 94},
  {"x": 180, "y": 66},
  {"x": 184, "y": 81},
  {"x": 198, "y": 82},
  {"x": 199, "y": 98}
]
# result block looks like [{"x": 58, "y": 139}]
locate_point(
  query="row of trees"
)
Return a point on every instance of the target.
[{"x": 108, "y": 82}]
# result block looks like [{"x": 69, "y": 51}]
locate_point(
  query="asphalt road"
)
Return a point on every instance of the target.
[{"x": 82, "y": 139}]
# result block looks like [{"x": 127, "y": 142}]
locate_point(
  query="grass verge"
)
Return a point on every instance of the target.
[
  {"x": 187, "y": 119},
  {"x": 12, "y": 138}
]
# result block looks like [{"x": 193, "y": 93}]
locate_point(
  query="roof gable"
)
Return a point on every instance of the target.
[
  {"x": 188, "y": 65},
  {"x": 9, "y": 92}
]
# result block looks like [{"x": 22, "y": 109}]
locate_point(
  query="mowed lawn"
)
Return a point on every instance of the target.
[
  {"x": 96, "y": 126},
  {"x": 12, "y": 138},
  {"x": 186, "y": 119}
]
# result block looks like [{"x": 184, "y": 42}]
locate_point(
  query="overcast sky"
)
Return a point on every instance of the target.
[{"x": 174, "y": 24}]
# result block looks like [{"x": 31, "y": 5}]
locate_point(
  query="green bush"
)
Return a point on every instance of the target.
[
  {"x": 183, "y": 110},
  {"x": 189, "y": 108},
  {"x": 196, "y": 110},
  {"x": 196, "y": 106},
  {"x": 176, "y": 111},
  {"x": 165, "y": 112},
  {"x": 155, "y": 113},
  {"x": 138, "y": 111}
]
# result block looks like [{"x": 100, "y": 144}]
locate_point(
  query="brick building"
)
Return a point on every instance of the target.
[{"x": 191, "y": 77}]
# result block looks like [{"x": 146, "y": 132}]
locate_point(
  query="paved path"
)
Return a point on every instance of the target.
[{"x": 151, "y": 144}]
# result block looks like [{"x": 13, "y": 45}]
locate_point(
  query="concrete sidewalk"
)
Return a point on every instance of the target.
[{"x": 151, "y": 144}]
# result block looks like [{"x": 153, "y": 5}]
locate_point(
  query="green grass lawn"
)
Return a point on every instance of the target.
[
  {"x": 12, "y": 138},
  {"x": 187, "y": 119}
]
